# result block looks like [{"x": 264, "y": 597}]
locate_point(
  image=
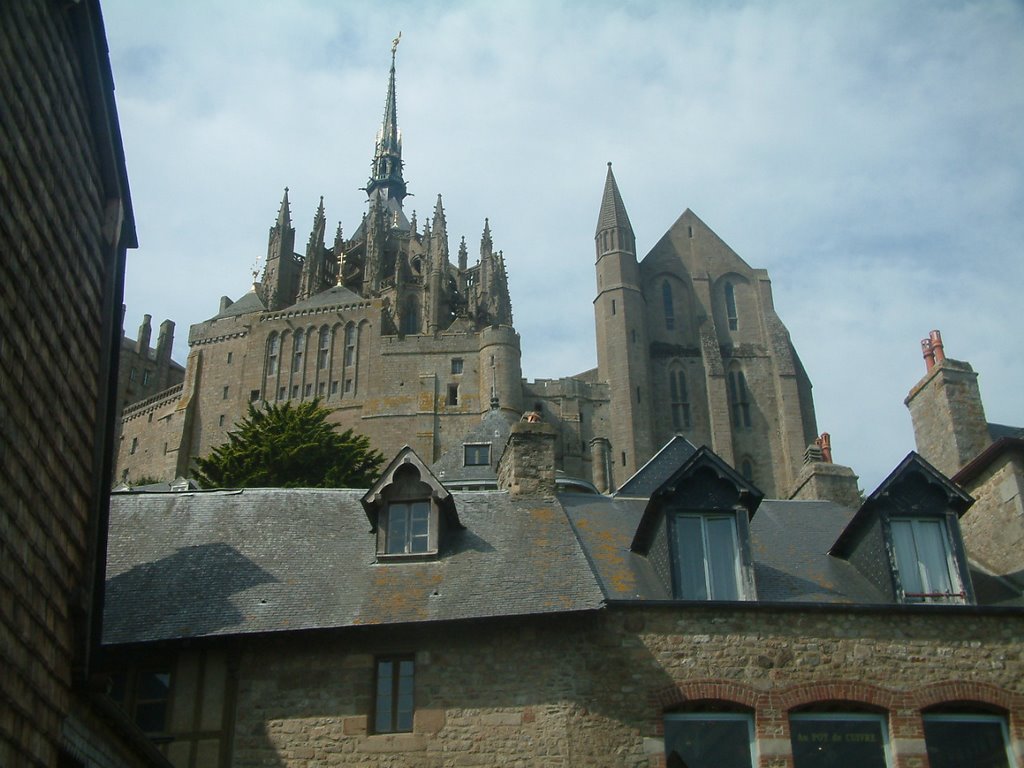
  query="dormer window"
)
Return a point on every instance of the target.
[
  {"x": 706, "y": 561},
  {"x": 410, "y": 511},
  {"x": 477, "y": 454},
  {"x": 924, "y": 561},
  {"x": 695, "y": 530},
  {"x": 905, "y": 538}
]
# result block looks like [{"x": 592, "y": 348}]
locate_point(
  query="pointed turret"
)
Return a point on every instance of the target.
[
  {"x": 386, "y": 182},
  {"x": 339, "y": 255},
  {"x": 315, "y": 269},
  {"x": 280, "y": 273},
  {"x": 613, "y": 211}
]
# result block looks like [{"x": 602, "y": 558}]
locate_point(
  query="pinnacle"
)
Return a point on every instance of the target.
[{"x": 613, "y": 210}]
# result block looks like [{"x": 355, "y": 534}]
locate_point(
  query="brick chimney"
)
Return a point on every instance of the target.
[
  {"x": 945, "y": 406},
  {"x": 527, "y": 466}
]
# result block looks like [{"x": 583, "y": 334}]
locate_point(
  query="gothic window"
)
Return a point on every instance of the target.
[
  {"x": 679, "y": 398},
  {"x": 325, "y": 348},
  {"x": 394, "y": 694},
  {"x": 300, "y": 340},
  {"x": 730, "y": 306},
  {"x": 924, "y": 560},
  {"x": 666, "y": 300},
  {"x": 721, "y": 739},
  {"x": 350, "y": 345},
  {"x": 273, "y": 350},
  {"x": 739, "y": 399},
  {"x": 747, "y": 469},
  {"x": 705, "y": 556}
]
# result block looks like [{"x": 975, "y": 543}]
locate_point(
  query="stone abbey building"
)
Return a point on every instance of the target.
[{"x": 409, "y": 343}]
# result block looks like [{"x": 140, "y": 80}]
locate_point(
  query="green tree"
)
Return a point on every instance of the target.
[{"x": 280, "y": 446}]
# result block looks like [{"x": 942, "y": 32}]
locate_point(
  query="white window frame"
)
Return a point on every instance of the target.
[
  {"x": 957, "y": 593},
  {"x": 952, "y": 717},
  {"x": 882, "y": 720},
  {"x": 719, "y": 717},
  {"x": 677, "y": 563}
]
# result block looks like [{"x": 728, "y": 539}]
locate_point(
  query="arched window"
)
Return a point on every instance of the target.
[
  {"x": 325, "y": 348},
  {"x": 273, "y": 350},
  {"x": 666, "y": 300},
  {"x": 680, "y": 399},
  {"x": 739, "y": 398},
  {"x": 410, "y": 316},
  {"x": 747, "y": 469},
  {"x": 730, "y": 307},
  {"x": 300, "y": 341}
]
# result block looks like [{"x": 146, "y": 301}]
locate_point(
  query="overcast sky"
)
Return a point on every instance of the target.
[{"x": 869, "y": 155}]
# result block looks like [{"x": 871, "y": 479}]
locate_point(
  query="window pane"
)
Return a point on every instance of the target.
[
  {"x": 711, "y": 741},
  {"x": 690, "y": 558},
  {"x": 382, "y": 717},
  {"x": 838, "y": 741},
  {"x": 420, "y": 527},
  {"x": 721, "y": 532},
  {"x": 403, "y": 717},
  {"x": 398, "y": 518},
  {"x": 906, "y": 557},
  {"x": 932, "y": 553},
  {"x": 964, "y": 740}
]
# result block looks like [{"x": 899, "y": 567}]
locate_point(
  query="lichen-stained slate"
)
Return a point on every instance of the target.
[{"x": 235, "y": 562}]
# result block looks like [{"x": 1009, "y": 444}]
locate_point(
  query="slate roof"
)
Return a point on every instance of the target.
[
  {"x": 337, "y": 294},
  {"x": 998, "y": 431},
  {"x": 658, "y": 468},
  {"x": 494, "y": 428},
  {"x": 248, "y": 303},
  {"x": 237, "y": 562}
]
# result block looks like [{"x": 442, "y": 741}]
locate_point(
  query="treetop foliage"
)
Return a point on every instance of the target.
[{"x": 281, "y": 446}]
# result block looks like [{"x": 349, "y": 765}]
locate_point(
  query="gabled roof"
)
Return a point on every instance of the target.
[
  {"x": 251, "y": 302},
  {"x": 646, "y": 480},
  {"x": 926, "y": 480},
  {"x": 335, "y": 295}
]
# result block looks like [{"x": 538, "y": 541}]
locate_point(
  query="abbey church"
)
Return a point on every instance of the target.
[{"x": 410, "y": 344}]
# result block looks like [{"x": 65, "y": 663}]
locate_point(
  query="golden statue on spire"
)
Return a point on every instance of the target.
[{"x": 395, "y": 42}]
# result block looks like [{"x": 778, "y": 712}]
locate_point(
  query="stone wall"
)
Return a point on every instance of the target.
[
  {"x": 62, "y": 238},
  {"x": 592, "y": 689},
  {"x": 993, "y": 528}
]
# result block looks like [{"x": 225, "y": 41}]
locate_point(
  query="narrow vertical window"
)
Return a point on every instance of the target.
[
  {"x": 273, "y": 349},
  {"x": 410, "y": 316},
  {"x": 613, "y": 306},
  {"x": 300, "y": 339},
  {"x": 666, "y": 300},
  {"x": 395, "y": 688},
  {"x": 747, "y": 470},
  {"x": 224, "y": 393},
  {"x": 739, "y": 399},
  {"x": 730, "y": 307},
  {"x": 453, "y": 394},
  {"x": 350, "y": 345},
  {"x": 679, "y": 399},
  {"x": 325, "y": 349}
]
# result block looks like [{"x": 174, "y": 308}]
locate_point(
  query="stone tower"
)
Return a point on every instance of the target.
[{"x": 620, "y": 312}]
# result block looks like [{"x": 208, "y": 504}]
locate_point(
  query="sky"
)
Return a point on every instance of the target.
[{"x": 869, "y": 155}]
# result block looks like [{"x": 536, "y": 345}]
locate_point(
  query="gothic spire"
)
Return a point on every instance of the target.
[
  {"x": 386, "y": 179},
  {"x": 613, "y": 210},
  {"x": 284, "y": 214}
]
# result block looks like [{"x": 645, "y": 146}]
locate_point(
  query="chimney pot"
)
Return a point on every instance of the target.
[
  {"x": 928, "y": 353},
  {"x": 935, "y": 338}
]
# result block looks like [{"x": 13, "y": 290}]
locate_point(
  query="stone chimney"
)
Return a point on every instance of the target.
[
  {"x": 945, "y": 406},
  {"x": 600, "y": 462},
  {"x": 165, "y": 342},
  {"x": 145, "y": 332},
  {"x": 527, "y": 467},
  {"x": 821, "y": 480}
]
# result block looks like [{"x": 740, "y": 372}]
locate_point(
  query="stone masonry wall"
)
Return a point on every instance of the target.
[
  {"x": 993, "y": 528},
  {"x": 59, "y": 264},
  {"x": 592, "y": 689}
]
